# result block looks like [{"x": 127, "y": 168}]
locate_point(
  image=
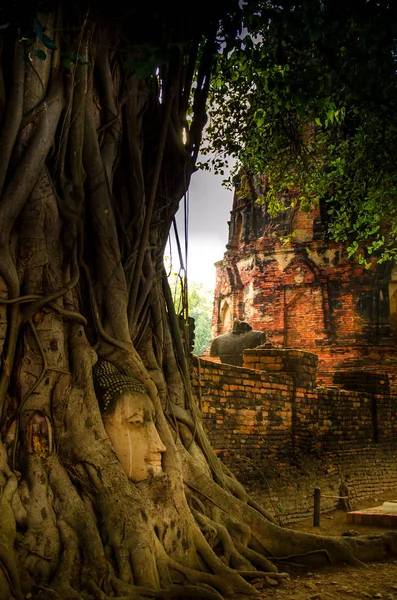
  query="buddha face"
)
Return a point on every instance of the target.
[{"x": 135, "y": 439}]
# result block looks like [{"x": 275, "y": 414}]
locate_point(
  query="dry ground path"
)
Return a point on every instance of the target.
[{"x": 378, "y": 580}]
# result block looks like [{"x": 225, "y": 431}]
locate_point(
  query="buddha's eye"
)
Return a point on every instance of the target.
[{"x": 136, "y": 421}]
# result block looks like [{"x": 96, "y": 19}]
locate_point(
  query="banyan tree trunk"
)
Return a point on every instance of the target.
[{"x": 93, "y": 163}]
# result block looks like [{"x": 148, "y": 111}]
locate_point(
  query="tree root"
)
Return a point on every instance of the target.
[
  {"x": 39, "y": 304},
  {"x": 282, "y": 542},
  {"x": 8, "y": 562},
  {"x": 77, "y": 528},
  {"x": 68, "y": 314},
  {"x": 216, "y": 575},
  {"x": 219, "y": 533},
  {"x": 256, "y": 559},
  {"x": 29, "y": 393},
  {"x": 126, "y": 592},
  {"x": 321, "y": 552}
]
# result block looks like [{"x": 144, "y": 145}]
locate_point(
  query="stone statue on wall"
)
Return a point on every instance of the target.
[{"x": 229, "y": 346}]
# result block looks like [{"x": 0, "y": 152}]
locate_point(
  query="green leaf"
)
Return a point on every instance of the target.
[
  {"x": 38, "y": 29},
  {"x": 48, "y": 42},
  {"x": 141, "y": 67},
  {"x": 331, "y": 115},
  {"x": 41, "y": 55},
  {"x": 81, "y": 60},
  {"x": 67, "y": 62},
  {"x": 259, "y": 117}
]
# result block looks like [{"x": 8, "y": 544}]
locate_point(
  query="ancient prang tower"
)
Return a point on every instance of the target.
[{"x": 306, "y": 293}]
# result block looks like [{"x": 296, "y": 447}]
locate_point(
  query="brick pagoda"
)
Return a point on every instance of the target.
[{"x": 306, "y": 293}]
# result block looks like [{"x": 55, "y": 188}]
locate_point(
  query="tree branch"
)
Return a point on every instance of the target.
[
  {"x": 13, "y": 113},
  {"x": 24, "y": 179},
  {"x": 76, "y": 133},
  {"x": 109, "y": 272},
  {"x": 149, "y": 209},
  {"x": 3, "y": 97},
  {"x": 112, "y": 135}
]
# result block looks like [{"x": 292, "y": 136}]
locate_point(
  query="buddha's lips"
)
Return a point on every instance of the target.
[{"x": 154, "y": 462}]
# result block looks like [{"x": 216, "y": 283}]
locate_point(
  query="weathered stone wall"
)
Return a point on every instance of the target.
[{"x": 282, "y": 436}]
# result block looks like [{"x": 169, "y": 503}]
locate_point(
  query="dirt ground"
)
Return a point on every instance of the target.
[{"x": 378, "y": 580}]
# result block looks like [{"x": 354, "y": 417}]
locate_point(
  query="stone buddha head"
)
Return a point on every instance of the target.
[{"x": 129, "y": 419}]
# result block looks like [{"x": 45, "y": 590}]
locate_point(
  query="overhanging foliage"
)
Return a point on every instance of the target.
[{"x": 309, "y": 99}]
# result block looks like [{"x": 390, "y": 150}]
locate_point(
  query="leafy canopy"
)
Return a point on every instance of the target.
[{"x": 309, "y": 97}]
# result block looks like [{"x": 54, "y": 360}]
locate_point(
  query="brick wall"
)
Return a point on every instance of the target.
[
  {"x": 282, "y": 436},
  {"x": 245, "y": 413}
]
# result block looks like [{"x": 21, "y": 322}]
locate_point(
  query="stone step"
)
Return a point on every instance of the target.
[{"x": 379, "y": 516}]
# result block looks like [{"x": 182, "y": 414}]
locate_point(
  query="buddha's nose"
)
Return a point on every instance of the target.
[{"x": 156, "y": 445}]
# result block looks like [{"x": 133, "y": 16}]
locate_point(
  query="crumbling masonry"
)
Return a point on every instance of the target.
[
  {"x": 317, "y": 407},
  {"x": 307, "y": 293}
]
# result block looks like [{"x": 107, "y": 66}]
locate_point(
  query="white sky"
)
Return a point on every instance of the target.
[{"x": 209, "y": 206}]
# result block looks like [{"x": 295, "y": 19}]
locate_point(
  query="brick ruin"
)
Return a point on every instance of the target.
[
  {"x": 316, "y": 405},
  {"x": 306, "y": 293},
  {"x": 283, "y": 435}
]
